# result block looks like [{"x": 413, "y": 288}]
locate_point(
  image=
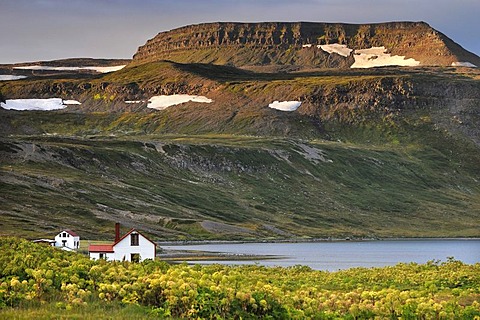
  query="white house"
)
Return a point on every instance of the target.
[
  {"x": 133, "y": 246},
  {"x": 68, "y": 240}
]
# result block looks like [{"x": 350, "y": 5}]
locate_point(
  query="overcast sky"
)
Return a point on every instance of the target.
[{"x": 32, "y": 30}]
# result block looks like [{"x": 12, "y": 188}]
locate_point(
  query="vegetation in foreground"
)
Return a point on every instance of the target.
[{"x": 43, "y": 281}]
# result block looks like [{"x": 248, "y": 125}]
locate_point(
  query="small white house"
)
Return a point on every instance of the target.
[
  {"x": 68, "y": 240},
  {"x": 133, "y": 246}
]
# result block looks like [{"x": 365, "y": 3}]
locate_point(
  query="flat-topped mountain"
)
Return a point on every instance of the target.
[{"x": 307, "y": 44}]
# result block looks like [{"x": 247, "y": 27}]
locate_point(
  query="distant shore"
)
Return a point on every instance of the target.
[
  {"x": 182, "y": 255},
  {"x": 194, "y": 255},
  {"x": 202, "y": 242}
]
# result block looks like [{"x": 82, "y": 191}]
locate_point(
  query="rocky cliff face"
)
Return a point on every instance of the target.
[{"x": 247, "y": 44}]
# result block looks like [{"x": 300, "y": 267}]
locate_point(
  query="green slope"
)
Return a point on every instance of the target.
[
  {"x": 173, "y": 187},
  {"x": 370, "y": 153}
]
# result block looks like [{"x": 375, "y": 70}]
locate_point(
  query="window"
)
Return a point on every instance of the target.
[
  {"x": 135, "y": 257},
  {"x": 134, "y": 239},
  {"x": 64, "y": 235},
  {"x": 101, "y": 256}
]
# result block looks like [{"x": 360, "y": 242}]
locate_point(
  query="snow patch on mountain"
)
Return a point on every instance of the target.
[
  {"x": 285, "y": 105},
  {"x": 463, "y": 64},
  {"x": 69, "y": 102},
  {"x": 7, "y": 77},
  {"x": 372, "y": 57},
  {"x": 37, "y": 104},
  {"x": 377, "y": 57},
  {"x": 337, "y": 48},
  {"x": 94, "y": 68},
  {"x": 165, "y": 101}
]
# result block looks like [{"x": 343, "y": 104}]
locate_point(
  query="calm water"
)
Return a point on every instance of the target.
[{"x": 346, "y": 254}]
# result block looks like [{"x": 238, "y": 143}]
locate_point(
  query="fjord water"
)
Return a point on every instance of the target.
[{"x": 336, "y": 255}]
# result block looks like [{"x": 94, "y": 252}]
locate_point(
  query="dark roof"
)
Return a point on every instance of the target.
[
  {"x": 107, "y": 248},
  {"x": 73, "y": 234},
  {"x": 129, "y": 232}
]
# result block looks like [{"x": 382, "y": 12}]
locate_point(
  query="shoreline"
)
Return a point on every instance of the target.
[
  {"x": 178, "y": 256},
  {"x": 190, "y": 256},
  {"x": 316, "y": 240}
]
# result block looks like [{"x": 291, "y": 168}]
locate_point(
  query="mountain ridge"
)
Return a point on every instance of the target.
[{"x": 286, "y": 43}]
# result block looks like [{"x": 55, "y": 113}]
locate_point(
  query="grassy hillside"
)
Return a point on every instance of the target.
[
  {"x": 381, "y": 98},
  {"x": 370, "y": 153},
  {"x": 176, "y": 186}
]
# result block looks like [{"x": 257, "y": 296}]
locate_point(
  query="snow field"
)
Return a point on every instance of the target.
[
  {"x": 97, "y": 69},
  {"x": 7, "y": 77},
  {"x": 376, "y": 57},
  {"x": 285, "y": 105},
  {"x": 37, "y": 104},
  {"x": 337, "y": 48},
  {"x": 463, "y": 64},
  {"x": 369, "y": 58},
  {"x": 164, "y": 101}
]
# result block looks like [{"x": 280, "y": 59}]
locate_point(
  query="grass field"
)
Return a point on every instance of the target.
[
  {"x": 42, "y": 282},
  {"x": 167, "y": 186}
]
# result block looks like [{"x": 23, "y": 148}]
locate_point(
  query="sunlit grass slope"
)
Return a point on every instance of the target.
[{"x": 171, "y": 185}]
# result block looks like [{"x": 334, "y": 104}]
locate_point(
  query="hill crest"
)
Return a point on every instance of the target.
[{"x": 298, "y": 43}]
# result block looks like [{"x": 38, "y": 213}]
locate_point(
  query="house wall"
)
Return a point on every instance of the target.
[
  {"x": 107, "y": 256},
  {"x": 71, "y": 241},
  {"x": 123, "y": 249}
]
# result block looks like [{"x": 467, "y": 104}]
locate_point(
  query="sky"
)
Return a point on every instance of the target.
[{"x": 35, "y": 30}]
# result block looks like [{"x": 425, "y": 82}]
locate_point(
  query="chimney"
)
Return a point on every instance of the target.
[{"x": 117, "y": 232}]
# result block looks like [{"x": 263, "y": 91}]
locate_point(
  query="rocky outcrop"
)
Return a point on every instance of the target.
[{"x": 284, "y": 43}]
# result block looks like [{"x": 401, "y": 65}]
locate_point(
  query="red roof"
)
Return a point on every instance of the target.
[
  {"x": 73, "y": 234},
  {"x": 107, "y": 248}
]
